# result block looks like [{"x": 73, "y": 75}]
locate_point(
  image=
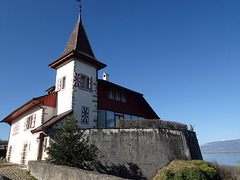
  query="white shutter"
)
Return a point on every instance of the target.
[
  {"x": 33, "y": 120},
  {"x": 25, "y": 123},
  {"x": 90, "y": 83},
  {"x": 59, "y": 84}
]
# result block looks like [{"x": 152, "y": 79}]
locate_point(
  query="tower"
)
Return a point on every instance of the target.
[{"x": 76, "y": 78}]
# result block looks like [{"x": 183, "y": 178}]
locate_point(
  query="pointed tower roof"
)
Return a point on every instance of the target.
[
  {"x": 78, "y": 45},
  {"x": 78, "y": 41}
]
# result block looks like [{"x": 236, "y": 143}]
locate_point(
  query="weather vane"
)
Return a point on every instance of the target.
[{"x": 80, "y": 5}]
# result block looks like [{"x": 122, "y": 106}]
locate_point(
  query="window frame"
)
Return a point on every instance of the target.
[
  {"x": 61, "y": 83},
  {"x": 85, "y": 82},
  {"x": 117, "y": 95},
  {"x": 30, "y": 122}
]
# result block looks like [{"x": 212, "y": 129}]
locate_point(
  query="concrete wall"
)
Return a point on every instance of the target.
[
  {"x": 44, "y": 171},
  {"x": 139, "y": 153}
]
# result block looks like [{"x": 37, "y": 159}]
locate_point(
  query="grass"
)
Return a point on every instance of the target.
[{"x": 30, "y": 176}]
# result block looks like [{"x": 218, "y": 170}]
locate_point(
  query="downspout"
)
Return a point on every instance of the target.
[
  {"x": 43, "y": 111},
  {"x": 41, "y": 135}
]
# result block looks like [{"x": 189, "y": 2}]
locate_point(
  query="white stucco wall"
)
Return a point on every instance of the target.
[
  {"x": 17, "y": 141},
  {"x": 85, "y": 98},
  {"x": 49, "y": 112},
  {"x": 64, "y": 97}
]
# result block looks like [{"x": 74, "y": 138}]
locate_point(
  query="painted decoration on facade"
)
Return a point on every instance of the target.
[
  {"x": 85, "y": 115},
  {"x": 77, "y": 79},
  {"x": 59, "y": 84},
  {"x": 16, "y": 128}
]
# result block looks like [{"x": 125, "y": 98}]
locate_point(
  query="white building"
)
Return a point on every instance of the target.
[{"x": 78, "y": 91}]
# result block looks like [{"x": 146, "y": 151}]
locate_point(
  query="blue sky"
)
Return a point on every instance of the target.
[{"x": 183, "y": 55}]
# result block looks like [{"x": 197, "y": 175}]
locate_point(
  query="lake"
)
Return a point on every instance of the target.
[{"x": 223, "y": 158}]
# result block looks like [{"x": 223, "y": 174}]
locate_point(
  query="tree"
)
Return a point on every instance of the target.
[{"x": 71, "y": 146}]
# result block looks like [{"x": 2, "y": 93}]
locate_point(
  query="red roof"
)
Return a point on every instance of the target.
[{"x": 47, "y": 100}]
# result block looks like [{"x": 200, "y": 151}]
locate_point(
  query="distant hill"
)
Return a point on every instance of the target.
[{"x": 227, "y": 146}]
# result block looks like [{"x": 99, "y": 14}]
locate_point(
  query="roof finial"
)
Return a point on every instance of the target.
[
  {"x": 80, "y": 5},
  {"x": 80, "y": 10}
]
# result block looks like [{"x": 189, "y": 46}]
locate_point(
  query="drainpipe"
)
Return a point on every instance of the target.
[
  {"x": 43, "y": 111},
  {"x": 41, "y": 135}
]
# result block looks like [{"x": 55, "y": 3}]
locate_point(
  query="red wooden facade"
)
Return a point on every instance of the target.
[
  {"x": 134, "y": 104},
  {"x": 48, "y": 100}
]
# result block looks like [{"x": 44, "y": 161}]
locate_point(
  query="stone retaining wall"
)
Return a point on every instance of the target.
[
  {"x": 140, "y": 153},
  {"x": 130, "y": 153}
]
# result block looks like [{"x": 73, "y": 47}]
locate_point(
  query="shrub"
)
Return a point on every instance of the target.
[
  {"x": 150, "y": 123},
  {"x": 188, "y": 170},
  {"x": 71, "y": 146},
  {"x": 227, "y": 172}
]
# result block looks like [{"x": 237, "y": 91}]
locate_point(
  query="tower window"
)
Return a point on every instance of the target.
[
  {"x": 85, "y": 82},
  {"x": 61, "y": 83}
]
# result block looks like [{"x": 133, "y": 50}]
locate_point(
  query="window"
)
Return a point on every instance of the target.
[
  {"x": 30, "y": 122},
  {"x": 123, "y": 98},
  {"x": 61, "y": 83},
  {"x": 85, "y": 82},
  {"x": 117, "y": 95},
  {"x": 110, "y": 119},
  {"x": 127, "y": 116},
  {"x": 111, "y": 94},
  {"x": 101, "y": 118}
]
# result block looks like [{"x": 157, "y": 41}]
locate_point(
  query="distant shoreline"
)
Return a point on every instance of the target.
[{"x": 221, "y": 152}]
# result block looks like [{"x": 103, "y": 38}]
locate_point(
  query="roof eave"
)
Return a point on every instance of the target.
[
  {"x": 44, "y": 128},
  {"x": 19, "y": 111},
  {"x": 81, "y": 55}
]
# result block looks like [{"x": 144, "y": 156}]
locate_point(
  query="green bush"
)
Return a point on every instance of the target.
[
  {"x": 150, "y": 123},
  {"x": 188, "y": 170}
]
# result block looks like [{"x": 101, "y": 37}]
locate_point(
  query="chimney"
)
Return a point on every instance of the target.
[{"x": 105, "y": 77}]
